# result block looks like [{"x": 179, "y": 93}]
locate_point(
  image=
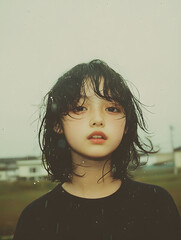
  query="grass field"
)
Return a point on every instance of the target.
[{"x": 16, "y": 195}]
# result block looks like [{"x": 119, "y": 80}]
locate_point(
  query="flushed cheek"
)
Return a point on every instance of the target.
[
  {"x": 74, "y": 131},
  {"x": 117, "y": 125},
  {"x": 117, "y": 131}
]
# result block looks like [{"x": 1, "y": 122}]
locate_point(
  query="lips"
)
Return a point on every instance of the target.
[{"x": 97, "y": 133}]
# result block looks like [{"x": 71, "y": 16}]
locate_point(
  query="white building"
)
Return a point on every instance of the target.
[
  {"x": 177, "y": 157},
  {"x": 12, "y": 169},
  {"x": 31, "y": 169},
  {"x": 8, "y": 169},
  {"x": 3, "y": 172}
]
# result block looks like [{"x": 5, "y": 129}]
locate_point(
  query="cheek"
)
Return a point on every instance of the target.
[
  {"x": 118, "y": 129},
  {"x": 72, "y": 129},
  {"x": 70, "y": 135},
  {"x": 118, "y": 125}
]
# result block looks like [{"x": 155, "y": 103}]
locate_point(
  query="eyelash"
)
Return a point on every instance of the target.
[
  {"x": 80, "y": 109},
  {"x": 117, "y": 109}
]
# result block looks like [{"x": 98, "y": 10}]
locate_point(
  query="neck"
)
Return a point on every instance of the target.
[
  {"x": 92, "y": 173},
  {"x": 92, "y": 182}
]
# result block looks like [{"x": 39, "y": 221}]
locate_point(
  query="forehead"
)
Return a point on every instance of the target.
[
  {"x": 88, "y": 89},
  {"x": 88, "y": 93}
]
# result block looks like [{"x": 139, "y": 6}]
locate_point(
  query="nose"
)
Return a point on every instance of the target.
[{"x": 97, "y": 121}]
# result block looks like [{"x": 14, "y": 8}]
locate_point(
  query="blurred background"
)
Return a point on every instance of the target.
[{"x": 42, "y": 39}]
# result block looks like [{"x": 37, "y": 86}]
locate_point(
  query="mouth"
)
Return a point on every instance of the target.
[{"x": 97, "y": 137}]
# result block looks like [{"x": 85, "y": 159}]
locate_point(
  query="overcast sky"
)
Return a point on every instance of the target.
[{"x": 42, "y": 39}]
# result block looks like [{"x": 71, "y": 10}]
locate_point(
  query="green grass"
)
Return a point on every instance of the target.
[{"x": 16, "y": 195}]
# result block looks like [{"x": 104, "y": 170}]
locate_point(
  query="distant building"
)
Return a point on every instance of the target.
[
  {"x": 3, "y": 172},
  {"x": 171, "y": 158},
  {"x": 151, "y": 160},
  {"x": 31, "y": 169},
  {"x": 162, "y": 158},
  {"x": 12, "y": 169},
  {"x": 8, "y": 169},
  {"x": 177, "y": 156}
]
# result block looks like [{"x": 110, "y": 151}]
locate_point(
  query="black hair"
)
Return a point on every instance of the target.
[{"x": 64, "y": 97}]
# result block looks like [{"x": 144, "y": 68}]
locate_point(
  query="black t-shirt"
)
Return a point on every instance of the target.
[{"x": 135, "y": 211}]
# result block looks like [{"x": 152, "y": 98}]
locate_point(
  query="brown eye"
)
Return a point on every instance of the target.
[
  {"x": 79, "y": 109},
  {"x": 113, "y": 109}
]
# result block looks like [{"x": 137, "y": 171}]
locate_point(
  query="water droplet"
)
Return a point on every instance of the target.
[
  {"x": 96, "y": 221},
  {"x": 76, "y": 206},
  {"x": 46, "y": 203},
  {"x": 114, "y": 168},
  {"x": 34, "y": 183},
  {"x": 54, "y": 107},
  {"x": 57, "y": 228},
  {"x": 102, "y": 211},
  {"x": 70, "y": 176}
]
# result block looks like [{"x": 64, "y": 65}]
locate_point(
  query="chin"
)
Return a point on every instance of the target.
[{"x": 98, "y": 157}]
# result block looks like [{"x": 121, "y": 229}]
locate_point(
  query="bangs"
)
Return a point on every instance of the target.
[
  {"x": 112, "y": 88},
  {"x": 71, "y": 87}
]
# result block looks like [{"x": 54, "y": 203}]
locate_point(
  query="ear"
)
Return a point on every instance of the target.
[{"x": 58, "y": 129}]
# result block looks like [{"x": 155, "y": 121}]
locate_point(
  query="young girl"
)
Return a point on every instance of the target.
[{"x": 88, "y": 137}]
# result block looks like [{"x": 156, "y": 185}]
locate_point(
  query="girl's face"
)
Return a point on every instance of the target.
[{"x": 96, "y": 128}]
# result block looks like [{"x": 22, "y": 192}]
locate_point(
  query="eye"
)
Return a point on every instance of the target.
[
  {"x": 113, "y": 109},
  {"x": 80, "y": 109}
]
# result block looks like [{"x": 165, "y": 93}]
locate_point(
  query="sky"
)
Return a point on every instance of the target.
[{"x": 40, "y": 40}]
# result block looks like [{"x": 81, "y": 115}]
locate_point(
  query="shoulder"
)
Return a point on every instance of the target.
[
  {"x": 155, "y": 204},
  {"x": 154, "y": 208},
  {"x": 35, "y": 218},
  {"x": 148, "y": 191},
  {"x": 45, "y": 202},
  {"x": 141, "y": 188},
  {"x": 152, "y": 197}
]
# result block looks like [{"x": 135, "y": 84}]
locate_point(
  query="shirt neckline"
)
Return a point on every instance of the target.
[{"x": 113, "y": 195}]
